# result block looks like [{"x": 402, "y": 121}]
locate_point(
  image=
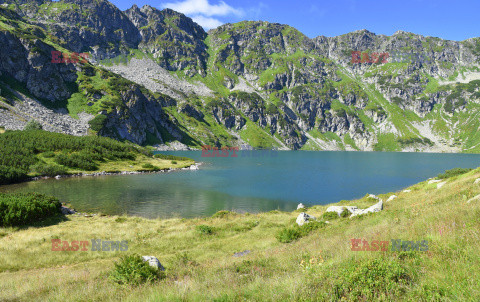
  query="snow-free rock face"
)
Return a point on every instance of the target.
[{"x": 253, "y": 84}]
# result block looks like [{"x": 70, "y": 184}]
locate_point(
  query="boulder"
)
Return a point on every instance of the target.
[
  {"x": 476, "y": 181},
  {"x": 301, "y": 206},
  {"x": 304, "y": 218},
  {"x": 434, "y": 181},
  {"x": 391, "y": 198},
  {"x": 67, "y": 211},
  {"x": 153, "y": 262},
  {"x": 339, "y": 209},
  {"x": 407, "y": 191},
  {"x": 373, "y": 196},
  {"x": 373, "y": 209}
]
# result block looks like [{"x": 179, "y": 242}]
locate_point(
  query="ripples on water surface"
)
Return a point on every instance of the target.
[{"x": 254, "y": 183}]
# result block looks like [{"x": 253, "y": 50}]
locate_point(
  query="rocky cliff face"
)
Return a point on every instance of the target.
[
  {"x": 175, "y": 41},
  {"x": 251, "y": 83}
]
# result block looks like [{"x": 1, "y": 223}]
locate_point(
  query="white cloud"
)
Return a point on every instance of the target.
[
  {"x": 203, "y": 7},
  {"x": 203, "y": 12},
  {"x": 207, "y": 22}
]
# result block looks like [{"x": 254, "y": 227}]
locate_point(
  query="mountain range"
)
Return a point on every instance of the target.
[{"x": 155, "y": 77}]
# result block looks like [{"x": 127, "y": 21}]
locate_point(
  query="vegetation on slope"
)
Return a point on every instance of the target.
[
  {"x": 40, "y": 153},
  {"x": 26, "y": 208}
]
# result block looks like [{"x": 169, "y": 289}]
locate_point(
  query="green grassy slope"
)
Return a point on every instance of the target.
[{"x": 316, "y": 267}]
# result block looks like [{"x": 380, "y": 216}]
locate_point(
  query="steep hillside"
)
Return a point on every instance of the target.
[{"x": 250, "y": 84}]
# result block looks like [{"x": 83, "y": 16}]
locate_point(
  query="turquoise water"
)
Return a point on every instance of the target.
[{"x": 260, "y": 181}]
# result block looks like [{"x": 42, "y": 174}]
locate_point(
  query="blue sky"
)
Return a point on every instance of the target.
[{"x": 453, "y": 20}]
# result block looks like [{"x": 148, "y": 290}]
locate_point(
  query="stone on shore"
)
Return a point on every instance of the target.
[
  {"x": 67, "y": 211},
  {"x": 304, "y": 218},
  {"x": 373, "y": 209},
  {"x": 339, "y": 209},
  {"x": 301, "y": 206}
]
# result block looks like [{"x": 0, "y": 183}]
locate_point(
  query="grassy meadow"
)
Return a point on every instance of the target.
[{"x": 319, "y": 266}]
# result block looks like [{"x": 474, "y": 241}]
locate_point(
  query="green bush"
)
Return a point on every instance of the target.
[
  {"x": 295, "y": 232},
  {"x": 24, "y": 208},
  {"x": 48, "y": 154},
  {"x": 33, "y": 125},
  {"x": 9, "y": 175},
  {"x": 287, "y": 235},
  {"x": 98, "y": 122},
  {"x": 148, "y": 166},
  {"x": 132, "y": 270},
  {"x": 453, "y": 172},
  {"x": 330, "y": 215},
  {"x": 346, "y": 213},
  {"x": 49, "y": 169},
  {"x": 371, "y": 280},
  {"x": 205, "y": 229},
  {"x": 76, "y": 160},
  {"x": 174, "y": 162}
]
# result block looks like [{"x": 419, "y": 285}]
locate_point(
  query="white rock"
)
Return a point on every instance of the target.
[
  {"x": 304, "y": 218},
  {"x": 193, "y": 167},
  {"x": 373, "y": 196},
  {"x": 373, "y": 209},
  {"x": 439, "y": 185},
  {"x": 434, "y": 181},
  {"x": 301, "y": 206},
  {"x": 153, "y": 262},
  {"x": 391, "y": 198},
  {"x": 476, "y": 181},
  {"x": 58, "y": 176},
  {"x": 340, "y": 209},
  {"x": 407, "y": 191}
]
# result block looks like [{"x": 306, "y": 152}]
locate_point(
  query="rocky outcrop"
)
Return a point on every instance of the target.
[
  {"x": 304, "y": 218},
  {"x": 354, "y": 211},
  {"x": 27, "y": 62},
  {"x": 174, "y": 40},
  {"x": 140, "y": 116},
  {"x": 300, "y": 92}
]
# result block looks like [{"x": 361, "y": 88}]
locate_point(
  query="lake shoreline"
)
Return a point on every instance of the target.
[{"x": 104, "y": 173}]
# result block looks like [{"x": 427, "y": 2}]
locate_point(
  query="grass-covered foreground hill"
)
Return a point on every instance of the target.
[
  {"x": 318, "y": 265},
  {"x": 25, "y": 154}
]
